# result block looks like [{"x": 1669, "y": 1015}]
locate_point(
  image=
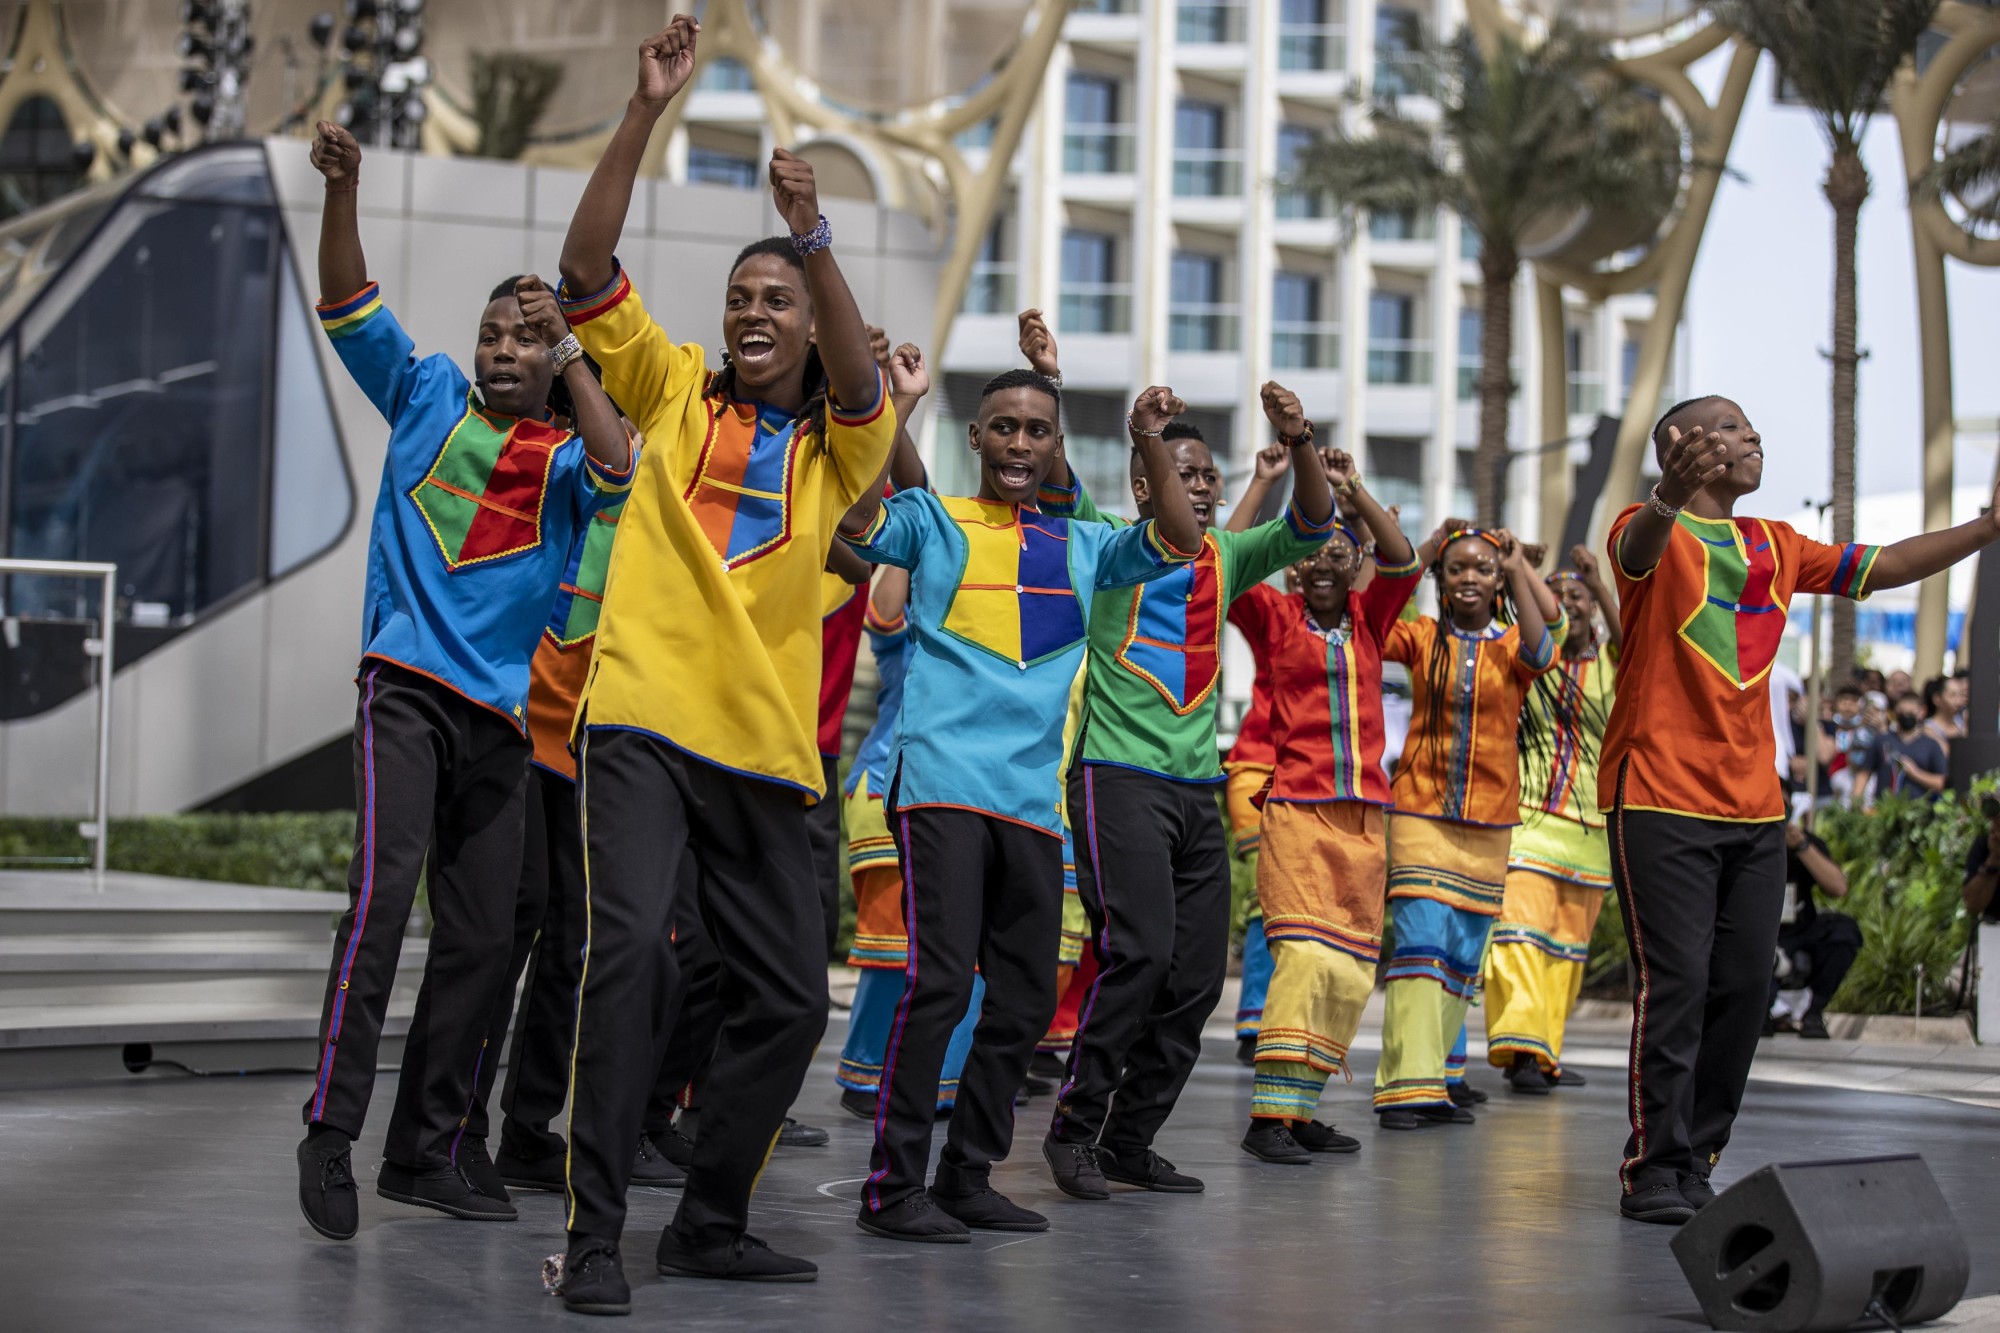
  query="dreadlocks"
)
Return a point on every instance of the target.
[{"x": 722, "y": 384}]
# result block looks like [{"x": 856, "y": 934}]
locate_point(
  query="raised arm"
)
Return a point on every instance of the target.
[
  {"x": 1528, "y": 590},
  {"x": 1173, "y": 516},
  {"x": 909, "y": 381},
  {"x": 1392, "y": 547},
  {"x": 666, "y": 62},
  {"x": 1916, "y": 558},
  {"x": 1038, "y": 348},
  {"x": 604, "y": 437},
  {"x": 1691, "y": 462},
  {"x": 1312, "y": 494},
  {"x": 1427, "y": 553},
  {"x": 1271, "y": 463},
  {"x": 838, "y": 330},
  {"x": 1585, "y": 562},
  {"x": 343, "y": 269}
]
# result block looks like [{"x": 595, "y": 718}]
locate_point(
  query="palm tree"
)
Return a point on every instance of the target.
[
  {"x": 1970, "y": 173},
  {"x": 1837, "y": 58},
  {"x": 1523, "y": 132}
]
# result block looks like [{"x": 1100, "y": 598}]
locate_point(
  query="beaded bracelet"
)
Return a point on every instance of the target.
[
  {"x": 1147, "y": 434},
  {"x": 566, "y": 352},
  {"x": 812, "y": 242},
  {"x": 1659, "y": 506}
]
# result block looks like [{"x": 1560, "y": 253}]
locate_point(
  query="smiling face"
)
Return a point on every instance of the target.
[
  {"x": 510, "y": 364},
  {"x": 1469, "y": 581},
  {"x": 1742, "y": 446},
  {"x": 1325, "y": 576},
  {"x": 1016, "y": 438},
  {"x": 1196, "y": 465},
  {"x": 1579, "y": 606},
  {"x": 767, "y": 325}
]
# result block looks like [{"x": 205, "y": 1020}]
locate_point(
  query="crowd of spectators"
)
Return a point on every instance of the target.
[{"x": 1878, "y": 735}]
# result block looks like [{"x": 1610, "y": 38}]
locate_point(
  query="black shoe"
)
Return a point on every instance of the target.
[
  {"x": 1146, "y": 1169},
  {"x": 915, "y": 1218},
  {"x": 1664, "y": 1204},
  {"x": 1047, "y": 1064},
  {"x": 1697, "y": 1191},
  {"x": 744, "y": 1259},
  {"x": 650, "y": 1167},
  {"x": 795, "y": 1135},
  {"x": 1770, "y": 1026},
  {"x": 1037, "y": 1087},
  {"x": 1246, "y": 1051},
  {"x": 1316, "y": 1137},
  {"x": 544, "y": 1173},
  {"x": 1813, "y": 1027},
  {"x": 1446, "y": 1115},
  {"x": 987, "y": 1209},
  {"x": 1272, "y": 1141},
  {"x": 326, "y": 1184},
  {"x": 1527, "y": 1076},
  {"x": 480, "y": 1171},
  {"x": 1075, "y": 1168},
  {"x": 860, "y": 1105},
  {"x": 1570, "y": 1078},
  {"x": 675, "y": 1146},
  {"x": 445, "y": 1189},
  {"x": 1397, "y": 1118},
  {"x": 594, "y": 1282},
  {"x": 1464, "y": 1094}
]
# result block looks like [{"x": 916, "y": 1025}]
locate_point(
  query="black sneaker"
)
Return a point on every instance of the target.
[
  {"x": 744, "y": 1259},
  {"x": 915, "y": 1218},
  {"x": 1246, "y": 1051},
  {"x": 1272, "y": 1141},
  {"x": 1397, "y": 1118},
  {"x": 1813, "y": 1027},
  {"x": 1316, "y": 1137},
  {"x": 1075, "y": 1168},
  {"x": 795, "y": 1135},
  {"x": 1570, "y": 1078},
  {"x": 987, "y": 1209},
  {"x": 1446, "y": 1115},
  {"x": 1664, "y": 1204},
  {"x": 1464, "y": 1094},
  {"x": 650, "y": 1167},
  {"x": 1527, "y": 1076},
  {"x": 1697, "y": 1191},
  {"x": 1047, "y": 1064},
  {"x": 1146, "y": 1169},
  {"x": 544, "y": 1173},
  {"x": 445, "y": 1189},
  {"x": 1037, "y": 1087},
  {"x": 326, "y": 1184},
  {"x": 479, "y": 1169},
  {"x": 594, "y": 1282},
  {"x": 860, "y": 1105},
  {"x": 673, "y": 1145}
]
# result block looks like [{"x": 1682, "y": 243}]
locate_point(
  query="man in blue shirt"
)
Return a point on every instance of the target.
[{"x": 483, "y": 495}]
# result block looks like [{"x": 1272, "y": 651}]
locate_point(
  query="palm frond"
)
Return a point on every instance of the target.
[
  {"x": 1837, "y": 57},
  {"x": 1970, "y": 173}
]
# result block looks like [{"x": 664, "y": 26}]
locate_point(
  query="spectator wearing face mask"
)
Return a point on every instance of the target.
[{"x": 1913, "y": 762}]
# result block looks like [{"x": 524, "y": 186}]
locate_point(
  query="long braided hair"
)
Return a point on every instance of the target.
[
  {"x": 1531, "y": 734},
  {"x": 722, "y": 384},
  {"x": 1570, "y": 711}
]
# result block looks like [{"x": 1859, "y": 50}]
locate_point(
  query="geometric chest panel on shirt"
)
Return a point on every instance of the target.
[
  {"x": 1172, "y": 631},
  {"x": 482, "y": 498},
  {"x": 581, "y": 592},
  {"x": 1737, "y": 625},
  {"x": 1014, "y": 597},
  {"x": 741, "y": 494}
]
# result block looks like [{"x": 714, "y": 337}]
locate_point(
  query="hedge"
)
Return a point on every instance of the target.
[{"x": 285, "y": 851}]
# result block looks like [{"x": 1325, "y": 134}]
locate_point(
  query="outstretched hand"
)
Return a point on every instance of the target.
[
  {"x": 1155, "y": 407},
  {"x": 1038, "y": 345},
  {"x": 666, "y": 61},
  {"x": 908, "y": 375},
  {"x": 540, "y": 311},
  {"x": 335, "y": 155},
  {"x": 794, "y": 191},
  {"x": 1692, "y": 461}
]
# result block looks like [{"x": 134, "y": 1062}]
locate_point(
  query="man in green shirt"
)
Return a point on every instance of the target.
[{"x": 1152, "y": 865}]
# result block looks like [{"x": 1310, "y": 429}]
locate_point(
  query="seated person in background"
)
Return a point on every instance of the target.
[
  {"x": 1815, "y": 948},
  {"x": 1912, "y": 761}
]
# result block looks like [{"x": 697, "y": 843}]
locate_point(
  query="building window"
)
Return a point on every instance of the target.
[
  {"x": 1586, "y": 384},
  {"x": 1301, "y": 338},
  {"x": 1094, "y": 143},
  {"x": 1294, "y": 142},
  {"x": 1471, "y": 338},
  {"x": 1306, "y": 41},
  {"x": 1203, "y": 166},
  {"x": 1395, "y": 354},
  {"x": 37, "y": 158},
  {"x": 1209, "y": 22},
  {"x": 724, "y": 74},
  {"x": 1092, "y": 300},
  {"x": 1398, "y": 38},
  {"x": 1401, "y": 224},
  {"x": 1197, "y": 318},
  {"x": 990, "y": 291},
  {"x": 1395, "y": 468},
  {"x": 712, "y": 166}
]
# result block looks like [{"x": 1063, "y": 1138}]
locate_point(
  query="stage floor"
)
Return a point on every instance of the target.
[{"x": 168, "y": 1203}]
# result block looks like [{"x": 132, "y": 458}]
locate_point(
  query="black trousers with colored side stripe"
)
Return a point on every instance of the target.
[
  {"x": 823, "y": 826},
  {"x": 435, "y": 776},
  {"x": 1701, "y": 899},
  {"x": 645, "y": 804},
  {"x": 980, "y": 891},
  {"x": 1152, "y": 868},
  {"x": 697, "y": 1020}
]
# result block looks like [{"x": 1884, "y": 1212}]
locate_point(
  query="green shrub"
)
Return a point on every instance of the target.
[{"x": 287, "y": 851}]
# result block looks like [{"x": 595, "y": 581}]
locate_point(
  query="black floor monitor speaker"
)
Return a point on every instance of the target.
[{"x": 1814, "y": 1246}]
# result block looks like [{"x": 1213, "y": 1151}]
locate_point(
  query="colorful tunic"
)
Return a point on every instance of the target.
[
  {"x": 843, "y": 607},
  {"x": 879, "y": 938},
  {"x": 705, "y": 639},
  {"x": 562, "y": 659},
  {"x": 1561, "y": 833},
  {"x": 476, "y": 521}
]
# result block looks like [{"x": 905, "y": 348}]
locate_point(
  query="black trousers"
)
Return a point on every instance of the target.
[
  {"x": 644, "y": 805},
  {"x": 1152, "y": 868},
  {"x": 1701, "y": 899},
  {"x": 436, "y": 777},
  {"x": 1823, "y": 950},
  {"x": 691, "y": 1035},
  {"x": 823, "y": 827},
  {"x": 977, "y": 891}
]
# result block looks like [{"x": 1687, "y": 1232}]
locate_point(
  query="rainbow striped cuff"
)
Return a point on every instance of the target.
[
  {"x": 582, "y": 309},
  {"x": 1059, "y": 501},
  {"x": 1162, "y": 549},
  {"x": 862, "y": 416},
  {"x": 1307, "y": 529},
  {"x": 341, "y": 319},
  {"x": 1414, "y": 565},
  {"x": 867, "y": 536},
  {"x": 1850, "y": 576},
  {"x": 1541, "y": 654}
]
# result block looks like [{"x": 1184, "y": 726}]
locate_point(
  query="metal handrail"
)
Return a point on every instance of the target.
[{"x": 99, "y": 827}]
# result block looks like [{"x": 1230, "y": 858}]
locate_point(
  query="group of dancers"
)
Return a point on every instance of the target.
[{"x": 596, "y": 720}]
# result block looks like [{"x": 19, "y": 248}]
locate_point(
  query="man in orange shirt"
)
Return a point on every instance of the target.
[{"x": 1689, "y": 779}]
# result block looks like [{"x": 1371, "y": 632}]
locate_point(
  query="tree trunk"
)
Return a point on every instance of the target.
[
  {"x": 1498, "y": 265},
  {"x": 1846, "y": 189}
]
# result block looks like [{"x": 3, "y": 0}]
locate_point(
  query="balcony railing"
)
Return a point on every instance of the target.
[
  {"x": 1293, "y": 203},
  {"x": 1586, "y": 395},
  {"x": 990, "y": 289},
  {"x": 1207, "y": 173},
  {"x": 1304, "y": 346},
  {"x": 1312, "y": 46},
  {"x": 1094, "y": 307},
  {"x": 1202, "y": 328},
  {"x": 1098, "y": 150},
  {"x": 1200, "y": 23},
  {"x": 1399, "y": 361}
]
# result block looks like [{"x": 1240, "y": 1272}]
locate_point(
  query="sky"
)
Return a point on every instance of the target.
[{"x": 1760, "y": 309}]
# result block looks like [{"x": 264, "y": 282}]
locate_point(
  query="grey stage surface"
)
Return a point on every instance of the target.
[{"x": 168, "y": 1203}]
